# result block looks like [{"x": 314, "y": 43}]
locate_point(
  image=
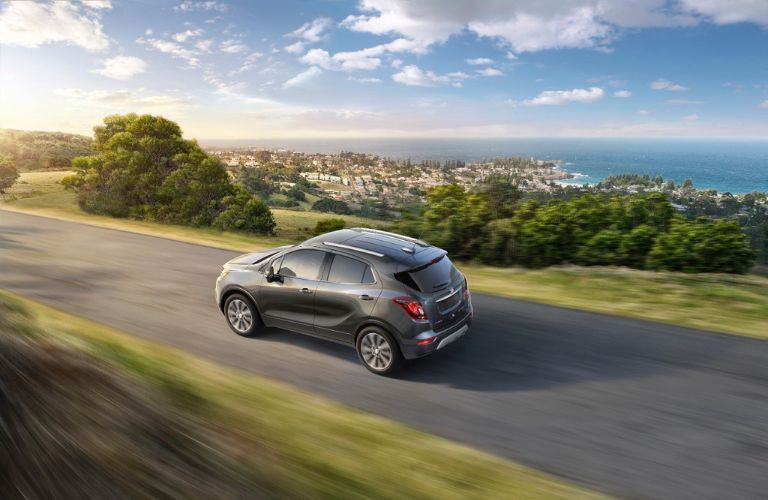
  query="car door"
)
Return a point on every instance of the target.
[
  {"x": 289, "y": 301},
  {"x": 345, "y": 297}
]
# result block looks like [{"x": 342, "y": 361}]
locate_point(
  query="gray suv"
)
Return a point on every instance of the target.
[{"x": 390, "y": 296}]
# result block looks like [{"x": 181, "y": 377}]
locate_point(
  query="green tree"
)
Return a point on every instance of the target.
[
  {"x": 702, "y": 246},
  {"x": 8, "y": 174},
  {"x": 244, "y": 212},
  {"x": 328, "y": 225},
  {"x": 602, "y": 249},
  {"x": 193, "y": 193},
  {"x": 145, "y": 169},
  {"x": 331, "y": 205}
]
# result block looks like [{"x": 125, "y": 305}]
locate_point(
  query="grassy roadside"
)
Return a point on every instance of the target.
[
  {"x": 719, "y": 302},
  {"x": 41, "y": 193},
  {"x": 81, "y": 393},
  {"x": 724, "y": 303}
]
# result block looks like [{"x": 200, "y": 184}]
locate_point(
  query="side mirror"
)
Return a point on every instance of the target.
[{"x": 272, "y": 276}]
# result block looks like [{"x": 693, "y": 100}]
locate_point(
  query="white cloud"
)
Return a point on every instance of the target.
[
  {"x": 127, "y": 99},
  {"x": 249, "y": 63},
  {"x": 232, "y": 47},
  {"x": 730, "y": 12},
  {"x": 363, "y": 59},
  {"x": 643, "y": 112},
  {"x": 763, "y": 105},
  {"x": 622, "y": 93},
  {"x": 396, "y": 63},
  {"x": 303, "y": 77},
  {"x": 683, "y": 102},
  {"x": 173, "y": 49},
  {"x": 526, "y": 26},
  {"x": 122, "y": 67},
  {"x": 32, "y": 24},
  {"x": 347, "y": 61},
  {"x": 479, "y": 61},
  {"x": 204, "y": 45},
  {"x": 511, "y": 56},
  {"x": 364, "y": 80},
  {"x": 206, "y": 6},
  {"x": 490, "y": 72},
  {"x": 312, "y": 31},
  {"x": 181, "y": 37},
  {"x": 414, "y": 76},
  {"x": 561, "y": 97},
  {"x": 97, "y": 4},
  {"x": 295, "y": 48},
  {"x": 692, "y": 118},
  {"x": 531, "y": 32},
  {"x": 663, "y": 84}
]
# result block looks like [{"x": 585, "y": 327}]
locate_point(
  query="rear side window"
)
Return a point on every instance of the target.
[
  {"x": 430, "y": 277},
  {"x": 304, "y": 264},
  {"x": 347, "y": 270}
]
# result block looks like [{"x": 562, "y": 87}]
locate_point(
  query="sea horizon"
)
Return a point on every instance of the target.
[{"x": 728, "y": 164}]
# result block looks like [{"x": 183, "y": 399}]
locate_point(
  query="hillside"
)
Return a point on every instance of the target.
[{"x": 43, "y": 150}]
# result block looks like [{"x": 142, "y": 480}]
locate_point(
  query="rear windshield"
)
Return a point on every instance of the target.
[{"x": 430, "y": 277}]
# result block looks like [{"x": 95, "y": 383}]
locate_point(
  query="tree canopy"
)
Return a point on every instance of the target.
[
  {"x": 641, "y": 231},
  {"x": 145, "y": 169}
]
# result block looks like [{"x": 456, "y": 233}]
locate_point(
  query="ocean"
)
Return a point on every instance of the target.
[{"x": 724, "y": 164}]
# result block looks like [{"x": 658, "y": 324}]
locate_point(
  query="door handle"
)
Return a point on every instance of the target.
[
  {"x": 305, "y": 290},
  {"x": 365, "y": 296}
]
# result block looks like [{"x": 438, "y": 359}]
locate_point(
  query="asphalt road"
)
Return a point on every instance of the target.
[{"x": 632, "y": 408}]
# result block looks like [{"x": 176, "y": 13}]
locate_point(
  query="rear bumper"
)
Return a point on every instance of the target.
[{"x": 412, "y": 350}]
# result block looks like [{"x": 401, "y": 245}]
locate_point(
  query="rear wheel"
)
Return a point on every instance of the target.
[
  {"x": 378, "y": 351},
  {"x": 241, "y": 315}
]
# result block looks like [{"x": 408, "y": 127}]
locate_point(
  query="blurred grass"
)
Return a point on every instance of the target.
[
  {"x": 112, "y": 413},
  {"x": 728, "y": 303},
  {"x": 719, "y": 302}
]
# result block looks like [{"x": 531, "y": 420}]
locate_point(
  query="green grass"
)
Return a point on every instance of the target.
[
  {"x": 724, "y": 303},
  {"x": 41, "y": 193},
  {"x": 263, "y": 435},
  {"x": 721, "y": 302}
]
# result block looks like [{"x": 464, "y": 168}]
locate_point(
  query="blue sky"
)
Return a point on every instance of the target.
[{"x": 390, "y": 68}]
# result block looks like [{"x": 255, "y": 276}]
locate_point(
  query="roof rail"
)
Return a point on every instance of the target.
[
  {"x": 355, "y": 249},
  {"x": 393, "y": 235}
]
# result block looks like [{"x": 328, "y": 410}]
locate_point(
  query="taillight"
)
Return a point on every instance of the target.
[
  {"x": 412, "y": 306},
  {"x": 466, "y": 288},
  {"x": 426, "y": 341}
]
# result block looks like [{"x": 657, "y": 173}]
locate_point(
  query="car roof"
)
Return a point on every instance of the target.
[{"x": 378, "y": 245}]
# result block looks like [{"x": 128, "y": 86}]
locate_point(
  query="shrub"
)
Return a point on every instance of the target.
[
  {"x": 328, "y": 225},
  {"x": 702, "y": 246},
  {"x": 245, "y": 212},
  {"x": 331, "y": 205},
  {"x": 8, "y": 173}
]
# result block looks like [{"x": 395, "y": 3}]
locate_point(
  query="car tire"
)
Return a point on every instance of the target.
[
  {"x": 241, "y": 315},
  {"x": 378, "y": 351}
]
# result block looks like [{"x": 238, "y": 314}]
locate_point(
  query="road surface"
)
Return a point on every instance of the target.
[{"x": 632, "y": 408}]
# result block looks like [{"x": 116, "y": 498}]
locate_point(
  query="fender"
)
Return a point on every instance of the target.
[
  {"x": 230, "y": 289},
  {"x": 376, "y": 322}
]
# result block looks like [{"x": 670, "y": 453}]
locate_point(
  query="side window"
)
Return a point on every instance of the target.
[
  {"x": 302, "y": 264},
  {"x": 346, "y": 270}
]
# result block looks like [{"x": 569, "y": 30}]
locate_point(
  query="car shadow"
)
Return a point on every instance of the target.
[{"x": 514, "y": 352}]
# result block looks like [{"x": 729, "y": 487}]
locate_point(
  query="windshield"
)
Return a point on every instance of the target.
[{"x": 430, "y": 277}]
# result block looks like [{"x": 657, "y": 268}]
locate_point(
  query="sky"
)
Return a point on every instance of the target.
[{"x": 228, "y": 69}]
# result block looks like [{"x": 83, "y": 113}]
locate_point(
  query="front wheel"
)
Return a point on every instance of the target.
[
  {"x": 378, "y": 351},
  {"x": 241, "y": 315}
]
